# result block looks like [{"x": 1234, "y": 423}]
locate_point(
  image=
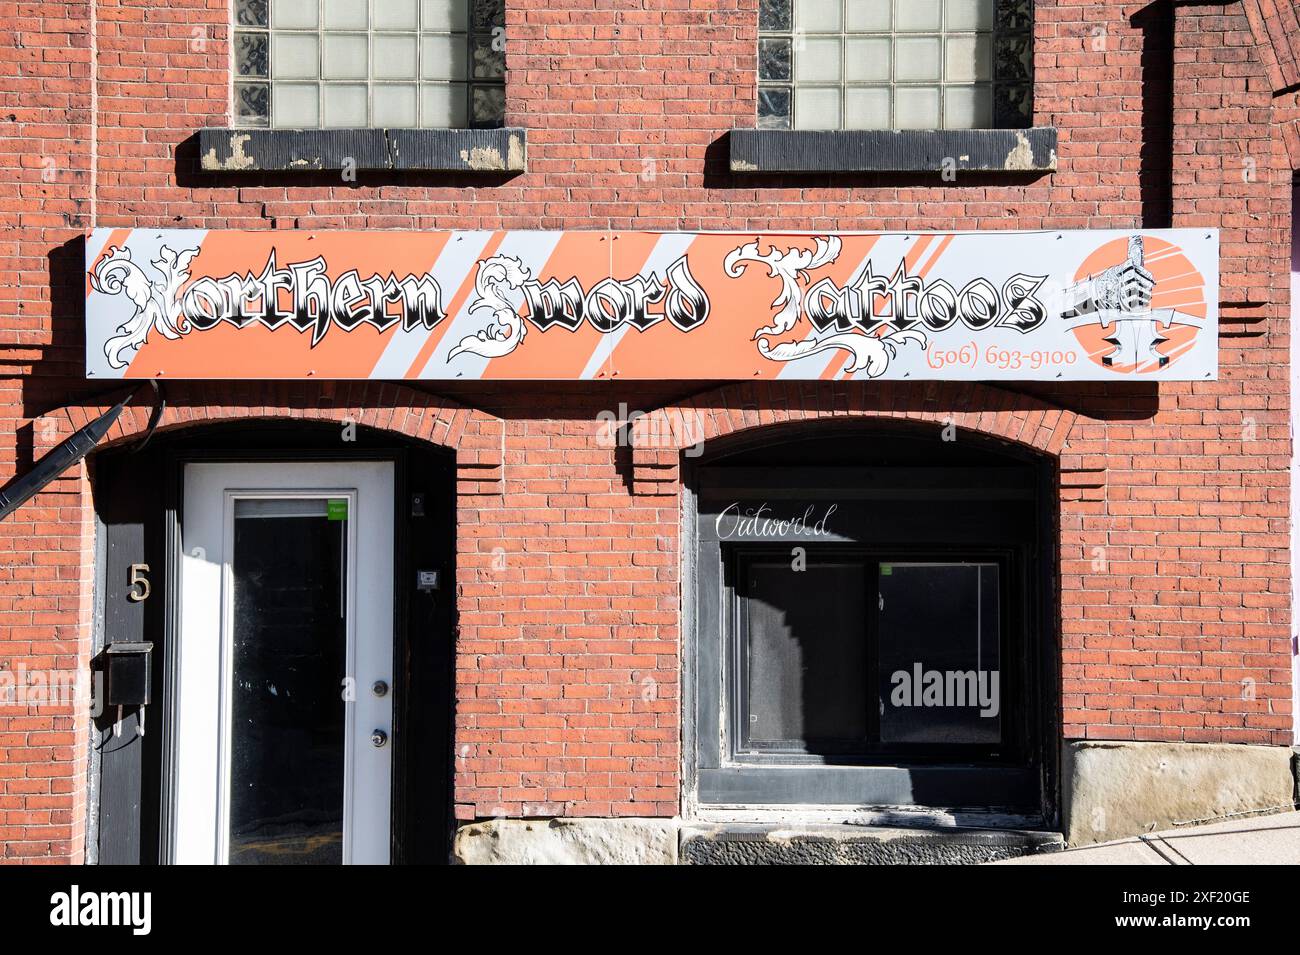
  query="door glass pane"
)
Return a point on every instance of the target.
[
  {"x": 289, "y": 660},
  {"x": 939, "y": 653},
  {"x": 806, "y": 683}
]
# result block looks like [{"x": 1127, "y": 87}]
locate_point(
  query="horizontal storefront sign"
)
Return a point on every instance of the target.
[{"x": 1043, "y": 306}]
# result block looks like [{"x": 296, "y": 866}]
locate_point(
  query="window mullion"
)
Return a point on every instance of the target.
[
  {"x": 871, "y": 571},
  {"x": 370, "y": 65},
  {"x": 943, "y": 67},
  {"x": 844, "y": 64},
  {"x": 320, "y": 62}
]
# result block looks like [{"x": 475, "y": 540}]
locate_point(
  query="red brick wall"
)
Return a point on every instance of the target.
[{"x": 567, "y": 665}]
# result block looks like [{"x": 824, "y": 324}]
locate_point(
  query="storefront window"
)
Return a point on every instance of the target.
[
  {"x": 938, "y": 655},
  {"x": 802, "y": 651},
  {"x": 868, "y": 626},
  {"x": 810, "y": 645}
]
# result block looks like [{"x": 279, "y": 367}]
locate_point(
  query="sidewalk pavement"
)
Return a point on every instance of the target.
[{"x": 1255, "y": 840}]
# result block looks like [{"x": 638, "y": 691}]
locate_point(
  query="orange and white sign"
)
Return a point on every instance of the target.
[{"x": 1087, "y": 305}]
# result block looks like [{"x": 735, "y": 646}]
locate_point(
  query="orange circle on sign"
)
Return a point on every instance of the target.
[{"x": 1179, "y": 286}]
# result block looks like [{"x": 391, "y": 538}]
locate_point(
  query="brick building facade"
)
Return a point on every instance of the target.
[{"x": 566, "y": 636}]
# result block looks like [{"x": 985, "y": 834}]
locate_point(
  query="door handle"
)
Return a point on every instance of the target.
[{"x": 378, "y": 738}]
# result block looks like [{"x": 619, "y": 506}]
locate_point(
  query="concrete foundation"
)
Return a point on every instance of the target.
[
  {"x": 853, "y": 845},
  {"x": 1113, "y": 790},
  {"x": 668, "y": 841},
  {"x": 1119, "y": 789},
  {"x": 567, "y": 842}
]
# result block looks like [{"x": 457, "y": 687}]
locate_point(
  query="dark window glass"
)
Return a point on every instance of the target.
[
  {"x": 253, "y": 104},
  {"x": 288, "y": 664},
  {"x": 250, "y": 54},
  {"x": 843, "y": 653},
  {"x": 487, "y": 39},
  {"x": 806, "y": 687},
  {"x": 774, "y": 15},
  {"x": 774, "y": 108},
  {"x": 940, "y": 675},
  {"x": 489, "y": 61},
  {"x": 774, "y": 59},
  {"x": 489, "y": 105},
  {"x": 250, "y": 13},
  {"x": 489, "y": 14}
]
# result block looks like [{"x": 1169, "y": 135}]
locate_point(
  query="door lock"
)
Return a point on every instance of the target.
[
  {"x": 380, "y": 688},
  {"x": 378, "y": 738}
]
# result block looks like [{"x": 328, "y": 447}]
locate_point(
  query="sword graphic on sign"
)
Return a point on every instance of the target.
[{"x": 1121, "y": 297}]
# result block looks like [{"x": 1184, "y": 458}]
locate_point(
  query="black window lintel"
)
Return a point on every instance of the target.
[
  {"x": 893, "y": 150},
  {"x": 499, "y": 150}
]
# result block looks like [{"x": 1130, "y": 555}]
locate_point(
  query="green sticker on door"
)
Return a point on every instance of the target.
[{"x": 336, "y": 509}]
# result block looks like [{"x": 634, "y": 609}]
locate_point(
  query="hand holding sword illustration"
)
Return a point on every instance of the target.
[{"x": 1121, "y": 297}]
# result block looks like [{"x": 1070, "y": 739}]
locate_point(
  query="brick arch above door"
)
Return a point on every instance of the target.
[
  {"x": 475, "y": 436},
  {"x": 659, "y": 437},
  {"x": 1275, "y": 28}
]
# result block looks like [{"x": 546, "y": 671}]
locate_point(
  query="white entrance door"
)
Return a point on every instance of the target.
[{"x": 280, "y": 751}]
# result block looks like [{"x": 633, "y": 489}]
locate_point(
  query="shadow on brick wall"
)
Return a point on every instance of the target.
[
  {"x": 1155, "y": 176},
  {"x": 57, "y": 378}
]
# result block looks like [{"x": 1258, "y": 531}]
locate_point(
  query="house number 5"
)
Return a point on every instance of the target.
[{"x": 139, "y": 583}]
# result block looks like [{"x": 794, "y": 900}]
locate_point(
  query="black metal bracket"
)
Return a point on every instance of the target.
[
  {"x": 159, "y": 406},
  {"x": 69, "y": 452}
]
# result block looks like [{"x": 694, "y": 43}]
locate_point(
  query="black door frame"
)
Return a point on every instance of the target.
[{"x": 138, "y": 502}]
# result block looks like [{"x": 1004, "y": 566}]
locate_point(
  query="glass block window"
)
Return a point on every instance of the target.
[
  {"x": 323, "y": 64},
  {"x": 895, "y": 64}
]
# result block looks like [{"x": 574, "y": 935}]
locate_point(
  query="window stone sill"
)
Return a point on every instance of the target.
[
  {"x": 883, "y": 150},
  {"x": 305, "y": 150}
]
